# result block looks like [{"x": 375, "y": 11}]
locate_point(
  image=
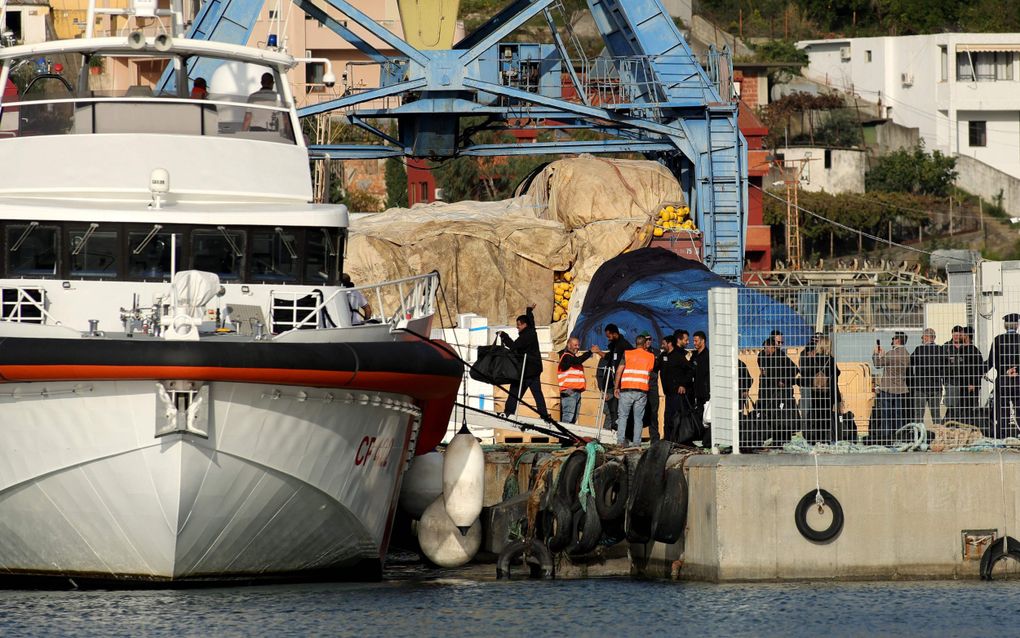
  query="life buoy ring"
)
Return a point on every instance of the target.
[
  {"x": 531, "y": 553},
  {"x": 809, "y": 501},
  {"x": 610, "y": 485},
  {"x": 671, "y": 514},
  {"x": 1000, "y": 549},
  {"x": 587, "y": 529}
]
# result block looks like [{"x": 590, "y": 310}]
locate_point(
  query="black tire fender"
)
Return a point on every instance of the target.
[
  {"x": 808, "y": 532},
  {"x": 610, "y": 485},
  {"x": 558, "y": 524},
  {"x": 531, "y": 553},
  {"x": 568, "y": 484},
  {"x": 671, "y": 513},
  {"x": 587, "y": 529},
  {"x": 999, "y": 549},
  {"x": 649, "y": 479}
]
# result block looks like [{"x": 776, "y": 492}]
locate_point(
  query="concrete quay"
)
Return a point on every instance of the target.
[{"x": 907, "y": 516}]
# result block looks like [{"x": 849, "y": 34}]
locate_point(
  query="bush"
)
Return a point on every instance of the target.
[{"x": 914, "y": 172}]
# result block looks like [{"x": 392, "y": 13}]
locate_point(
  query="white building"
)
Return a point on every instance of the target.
[
  {"x": 961, "y": 90},
  {"x": 831, "y": 170}
]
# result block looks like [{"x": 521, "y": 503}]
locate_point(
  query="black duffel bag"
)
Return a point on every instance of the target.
[
  {"x": 686, "y": 428},
  {"x": 496, "y": 365}
]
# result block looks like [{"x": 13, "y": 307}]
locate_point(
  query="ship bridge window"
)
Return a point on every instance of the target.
[
  {"x": 94, "y": 252},
  {"x": 273, "y": 255},
  {"x": 218, "y": 251},
  {"x": 323, "y": 255},
  {"x": 149, "y": 253},
  {"x": 32, "y": 250}
]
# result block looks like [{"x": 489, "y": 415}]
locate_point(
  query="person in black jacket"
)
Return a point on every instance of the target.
[
  {"x": 526, "y": 347},
  {"x": 777, "y": 377},
  {"x": 964, "y": 367},
  {"x": 1004, "y": 357},
  {"x": 701, "y": 388},
  {"x": 651, "y": 419},
  {"x": 924, "y": 377},
  {"x": 611, "y": 359},
  {"x": 675, "y": 375}
]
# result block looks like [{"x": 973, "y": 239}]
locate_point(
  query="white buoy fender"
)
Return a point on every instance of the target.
[
  {"x": 464, "y": 479},
  {"x": 423, "y": 483},
  {"x": 442, "y": 542}
]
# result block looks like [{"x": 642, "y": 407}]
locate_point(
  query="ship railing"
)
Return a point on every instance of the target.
[
  {"x": 25, "y": 305},
  {"x": 223, "y": 117},
  {"x": 396, "y": 302}
]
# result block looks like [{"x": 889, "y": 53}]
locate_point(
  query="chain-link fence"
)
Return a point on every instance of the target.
[{"x": 861, "y": 364}]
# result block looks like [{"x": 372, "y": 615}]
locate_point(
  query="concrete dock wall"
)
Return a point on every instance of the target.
[{"x": 904, "y": 516}]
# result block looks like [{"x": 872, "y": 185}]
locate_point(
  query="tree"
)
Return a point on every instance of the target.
[
  {"x": 913, "y": 171},
  {"x": 396, "y": 184}
]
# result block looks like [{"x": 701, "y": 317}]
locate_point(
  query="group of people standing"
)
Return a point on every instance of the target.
[
  {"x": 776, "y": 414},
  {"x": 629, "y": 378},
  {"x": 945, "y": 381}
]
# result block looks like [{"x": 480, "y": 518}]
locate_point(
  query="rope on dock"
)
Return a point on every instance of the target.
[{"x": 592, "y": 448}]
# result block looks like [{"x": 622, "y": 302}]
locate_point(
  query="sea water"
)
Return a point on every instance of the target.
[{"x": 433, "y": 605}]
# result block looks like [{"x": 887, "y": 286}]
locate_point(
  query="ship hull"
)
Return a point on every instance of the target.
[{"x": 281, "y": 483}]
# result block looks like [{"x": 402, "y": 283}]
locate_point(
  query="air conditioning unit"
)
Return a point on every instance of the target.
[
  {"x": 907, "y": 79},
  {"x": 844, "y": 54}
]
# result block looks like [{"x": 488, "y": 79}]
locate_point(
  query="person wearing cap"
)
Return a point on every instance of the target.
[
  {"x": 951, "y": 351},
  {"x": 651, "y": 420},
  {"x": 925, "y": 378},
  {"x": 1004, "y": 358},
  {"x": 891, "y": 390}
]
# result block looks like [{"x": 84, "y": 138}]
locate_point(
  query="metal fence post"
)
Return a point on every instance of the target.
[{"x": 723, "y": 351}]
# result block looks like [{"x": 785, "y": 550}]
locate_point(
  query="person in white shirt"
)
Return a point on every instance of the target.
[
  {"x": 361, "y": 310},
  {"x": 262, "y": 119}
]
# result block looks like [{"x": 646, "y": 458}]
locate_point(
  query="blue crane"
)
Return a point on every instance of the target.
[{"x": 646, "y": 93}]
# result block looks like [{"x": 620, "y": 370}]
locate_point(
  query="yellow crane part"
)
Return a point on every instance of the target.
[{"x": 429, "y": 24}]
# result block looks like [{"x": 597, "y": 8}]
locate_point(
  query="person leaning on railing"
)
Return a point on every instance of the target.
[{"x": 361, "y": 310}]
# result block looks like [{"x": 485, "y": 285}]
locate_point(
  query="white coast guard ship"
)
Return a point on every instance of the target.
[{"x": 183, "y": 394}]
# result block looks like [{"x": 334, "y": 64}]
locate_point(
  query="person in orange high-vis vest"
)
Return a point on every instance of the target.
[
  {"x": 570, "y": 375},
  {"x": 632, "y": 384}
]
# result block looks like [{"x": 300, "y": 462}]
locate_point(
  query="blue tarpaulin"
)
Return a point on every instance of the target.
[{"x": 656, "y": 291}]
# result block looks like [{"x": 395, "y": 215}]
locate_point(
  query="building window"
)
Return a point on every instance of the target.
[
  {"x": 944, "y": 62},
  {"x": 977, "y": 133},
  {"x": 828, "y": 158},
  {"x": 984, "y": 66},
  {"x": 867, "y": 55},
  {"x": 272, "y": 14},
  {"x": 423, "y": 192},
  {"x": 314, "y": 72}
]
